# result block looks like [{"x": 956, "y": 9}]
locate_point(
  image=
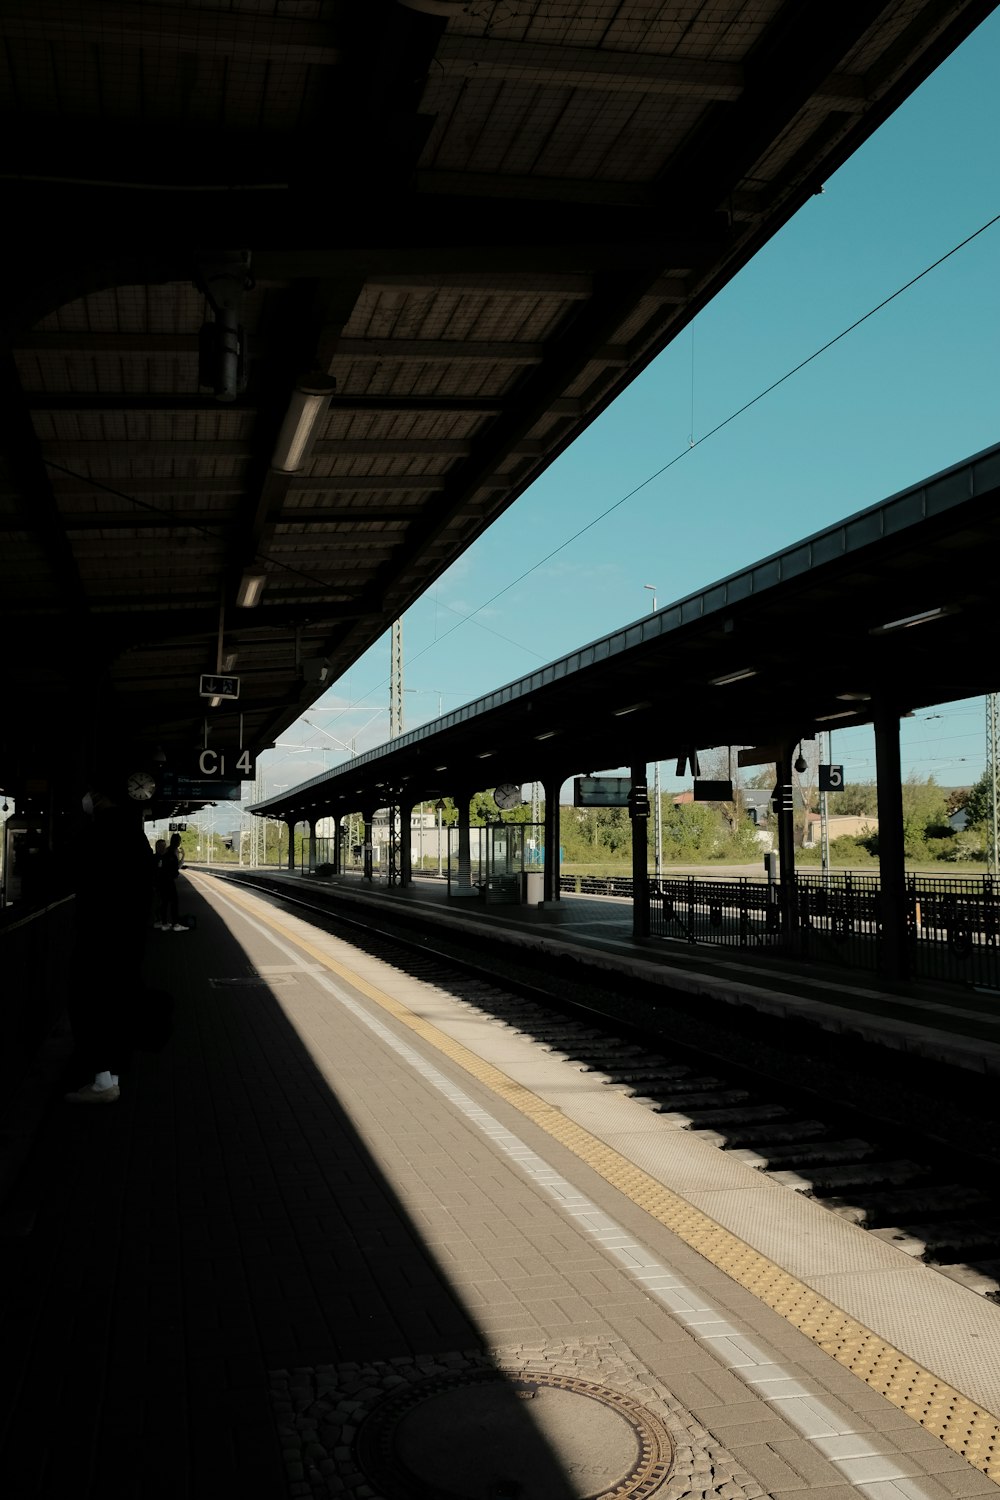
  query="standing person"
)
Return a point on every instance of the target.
[
  {"x": 161, "y": 885},
  {"x": 114, "y": 886},
  {"x": 172, "y": 861}
]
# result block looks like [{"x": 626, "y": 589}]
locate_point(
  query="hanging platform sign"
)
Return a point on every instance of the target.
[
  {"x": 759, "y": 755},
  {"x": 713, "y": 791},
  {"x": 176, "y": 787},
  {"x": 831, "y": 778},
  {"x": 601, "y": 791},
  {"x": 219, "y": 687},
  {"x": 226, "y": 762}
]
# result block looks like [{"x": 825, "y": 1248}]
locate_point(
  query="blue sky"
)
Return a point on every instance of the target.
[{"x": 911, "y": 392}]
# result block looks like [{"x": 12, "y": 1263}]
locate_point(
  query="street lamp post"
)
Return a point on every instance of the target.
[{"x": 657, "y": 809}]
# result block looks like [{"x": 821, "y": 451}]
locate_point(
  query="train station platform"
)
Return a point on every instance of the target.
[
  {"x": 345, "y": 1236},
  {"x": 956, "y": 1024}
]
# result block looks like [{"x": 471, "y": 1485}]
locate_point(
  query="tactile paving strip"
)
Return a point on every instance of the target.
[{"x": 938, "y": 1407}]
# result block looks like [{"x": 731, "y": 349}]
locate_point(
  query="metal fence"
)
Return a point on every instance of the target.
[
  {"x": 737, "y": 913},
  {"x": 953, "y": 922},
  {"x": 955, "y": 928},
  {"x": 838, "y": 919}
]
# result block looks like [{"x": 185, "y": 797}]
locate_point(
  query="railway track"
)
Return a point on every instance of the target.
[{"x": 905, "y": 1150}]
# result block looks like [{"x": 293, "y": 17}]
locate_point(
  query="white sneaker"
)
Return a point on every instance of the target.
[{"x": 177, "y": 927}]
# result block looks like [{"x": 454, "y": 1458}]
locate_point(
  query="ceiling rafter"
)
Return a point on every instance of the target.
[
  {"x": 247, "y": 34},
  {"x": 450, "y": 351},
  {"x": 212, "y": 448}
]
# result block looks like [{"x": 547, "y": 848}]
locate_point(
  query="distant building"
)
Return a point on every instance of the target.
[{"x": 839, "y": 826}]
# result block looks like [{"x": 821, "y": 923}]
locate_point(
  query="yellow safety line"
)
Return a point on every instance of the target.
[{"x": 962, "y": 1425}]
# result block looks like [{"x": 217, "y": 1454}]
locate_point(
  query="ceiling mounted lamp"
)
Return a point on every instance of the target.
[
  {"x": 729, "y": 677},
  {"x": 310, "y": 399},
  {"x": 549, "y": 734},
  {"x": 848, "y": 713},
  {"x": 630, "y": 708},
  {"x": 250, "y": 589},
  {"x": 923, "y": 618}
]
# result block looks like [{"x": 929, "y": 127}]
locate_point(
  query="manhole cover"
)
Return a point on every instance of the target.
[{"x": 501, "y": 1435}]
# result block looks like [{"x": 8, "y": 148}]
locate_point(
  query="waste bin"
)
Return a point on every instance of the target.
[
  {"x": 504, "y": 888},
  {"x": 533, "y": 887}
]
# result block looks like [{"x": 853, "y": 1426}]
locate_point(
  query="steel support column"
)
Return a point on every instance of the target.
[
  {"x": 291, "y": 845},
  {"x": 463, "y": 886},
  {"x": 338, "y": 861},
  {"x": 550, "y": 868},
  {"x": 367, "y": 819},
  {"x": 784, "y": 809},
  {"x": 639, "y": 814},
  {"x": 895, "y": 957},
  {"x": 312, "y": 845},
  {"x": 406, "y": 843}
]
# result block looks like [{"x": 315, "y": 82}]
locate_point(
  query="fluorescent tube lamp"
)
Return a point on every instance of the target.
[
  {"x": 848, "y": 713},
  {"x": 229, "y": 660},
  {"x": 250, "y": 589},
  {"x": 549, "y": 734},
  {"x": 630, "y": 708},
  {"x": 908, "y": 620},
  {"x": 485, "y": 755},
  {"x": 310, "y": 399},
  {"x": 854, "y": 697},
  {"x": 214, "y": 702},
  {"x": 732, "y": 677}
]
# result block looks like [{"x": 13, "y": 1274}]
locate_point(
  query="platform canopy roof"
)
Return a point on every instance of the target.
[
  {"x": 509, "y": 211},
  {"x": 892, "y": 609}
]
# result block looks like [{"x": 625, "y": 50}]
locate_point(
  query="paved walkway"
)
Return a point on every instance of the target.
[{"x": 337, "y": 1183}]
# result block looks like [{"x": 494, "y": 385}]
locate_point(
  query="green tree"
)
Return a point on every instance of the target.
[
  {"x": 978, "y": 802},
  {"x": 859, "y": 800}
]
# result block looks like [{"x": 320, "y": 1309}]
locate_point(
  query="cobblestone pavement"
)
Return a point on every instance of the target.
[{"x": 321, "y": 1411}]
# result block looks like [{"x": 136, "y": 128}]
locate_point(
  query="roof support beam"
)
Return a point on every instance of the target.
[
  {"x": 110, "y": 520},
  {"x": 610, "y": 72},
  {"x": 384, "y": 351},
  {"x": 210, "y": 33},
  {"x": 96, "y": 449},
  {"x": 165, "y": 484}
]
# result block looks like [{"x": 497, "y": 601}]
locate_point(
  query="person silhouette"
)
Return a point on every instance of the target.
[{"x": 114, "y": 887}]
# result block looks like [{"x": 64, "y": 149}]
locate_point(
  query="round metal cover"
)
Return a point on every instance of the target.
[{"x": 504, "y": 1435}]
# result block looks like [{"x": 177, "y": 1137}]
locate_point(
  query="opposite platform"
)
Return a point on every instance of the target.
[{"x": 959, "y": 1026}]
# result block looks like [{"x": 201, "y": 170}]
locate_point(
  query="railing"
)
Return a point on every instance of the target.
[
  {"x": 953, "y": 922},
  {"x": 955, "y": 928},
  {"x": 838, "y": 919},
  {"x": 735, "y": 913}
]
